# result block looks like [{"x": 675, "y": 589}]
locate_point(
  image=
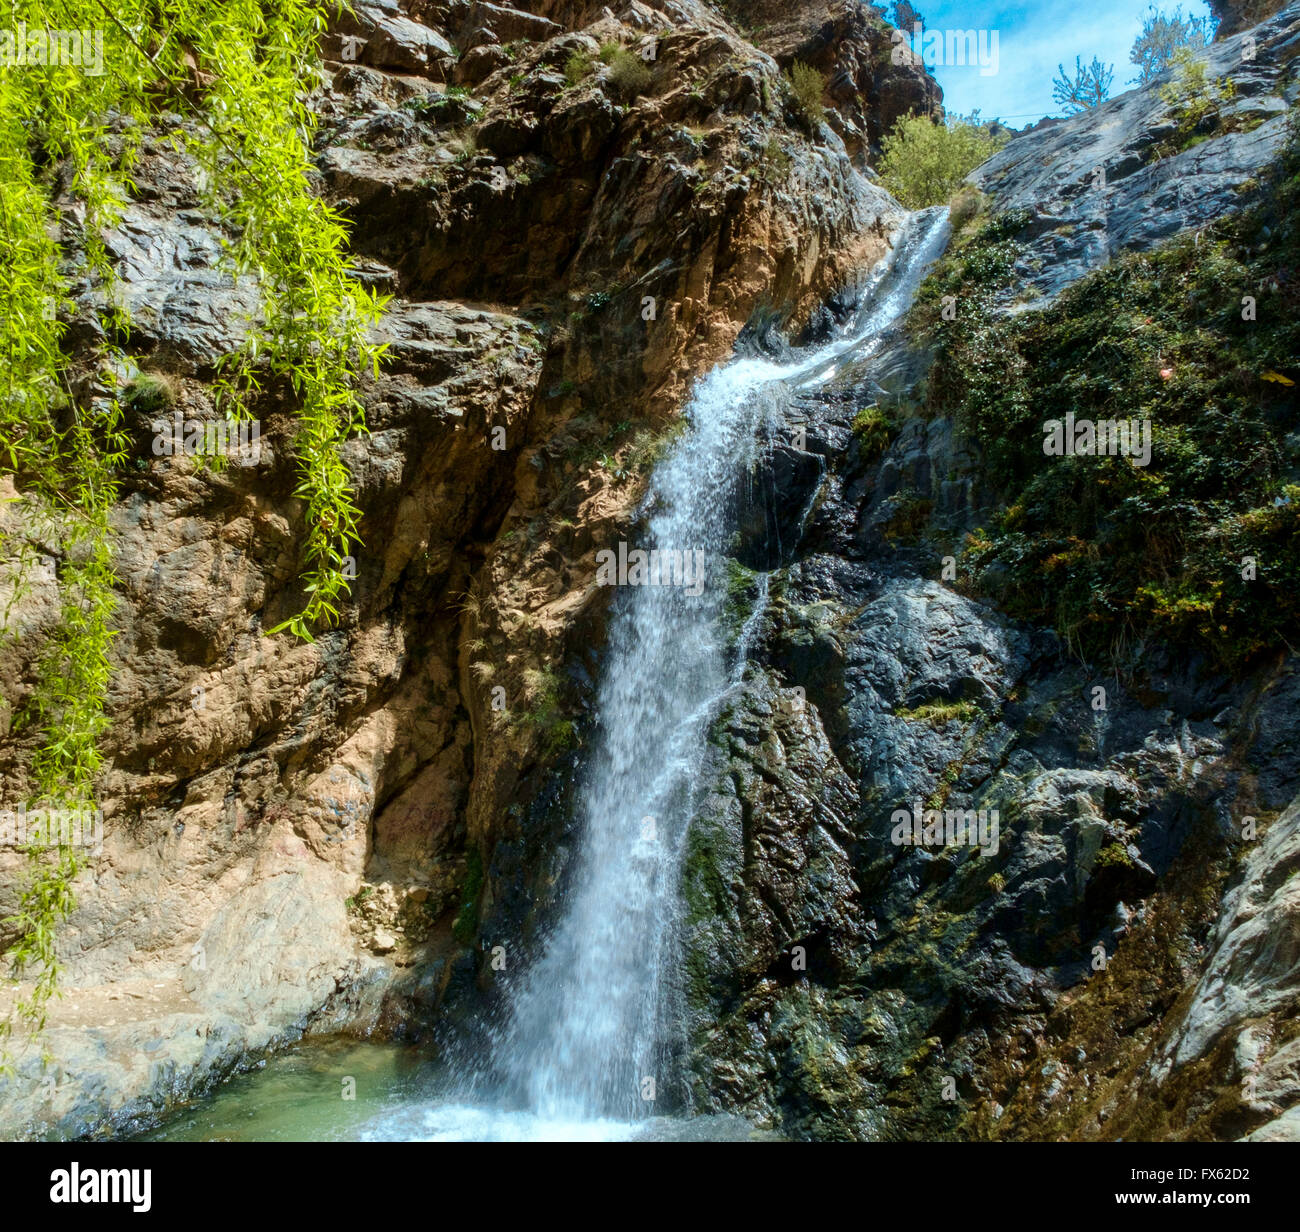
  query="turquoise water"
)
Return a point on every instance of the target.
[{"x": 299, "y": 1096}]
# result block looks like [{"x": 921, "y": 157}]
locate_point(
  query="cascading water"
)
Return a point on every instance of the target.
[
  {"x": 583, "y": 1040},
  {"x": 586, "y": 1033}
]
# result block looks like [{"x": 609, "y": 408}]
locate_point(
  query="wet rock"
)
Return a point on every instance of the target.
[{"x": 1254, "y": 968}]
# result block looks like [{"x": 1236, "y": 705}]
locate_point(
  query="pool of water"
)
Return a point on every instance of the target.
[{"x": 342, "y": 1090}]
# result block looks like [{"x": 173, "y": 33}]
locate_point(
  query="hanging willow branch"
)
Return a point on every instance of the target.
[{"x": 81, "y": 82}]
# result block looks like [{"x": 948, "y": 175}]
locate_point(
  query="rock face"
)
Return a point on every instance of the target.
[
  {"x": 1081, "y": 978},
  {"x": 1238, "y": 15},
  {"x": 1246, "y": 997},
  {"x": 296, "y": 835},
  {"x": 327, "y": 836},
  {"x": 838, "y": 980},
  {"x": 1104, "y": 181},
  {"x": 854, "y": 50}
]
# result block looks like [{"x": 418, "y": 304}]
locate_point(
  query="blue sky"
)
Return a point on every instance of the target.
[{"x": 1032, "y": 40}]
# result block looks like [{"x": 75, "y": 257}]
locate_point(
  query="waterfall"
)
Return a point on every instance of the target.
[
  {"x": 584, "y": 1036},
  {"x": 583, "y": 1032}
]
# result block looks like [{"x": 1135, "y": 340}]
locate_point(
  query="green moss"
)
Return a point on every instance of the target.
[
  {"x": 465, "y": 924},
  {"x": 938, "y": 714},
  {"x": 1115, "y": 855},
  {"x": 872, "y": 428},
  {"x": 703, "y": 889},
  {"x": 742, "y": 593}
]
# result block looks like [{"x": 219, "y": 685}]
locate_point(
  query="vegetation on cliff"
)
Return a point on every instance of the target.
[
  {"x": 1199, "y": 338},
  {"x": 230, "y": 81}
]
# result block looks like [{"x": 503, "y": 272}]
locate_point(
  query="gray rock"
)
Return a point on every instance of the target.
[{"x": 1095, "y": 184}]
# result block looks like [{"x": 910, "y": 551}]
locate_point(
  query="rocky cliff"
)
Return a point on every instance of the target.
[
  {"x": 1082, "y": 979},
  {"x": 1238, "y": 15},
  {"x": 332, "y": 836},
  {"x": 295, "y": 833}
]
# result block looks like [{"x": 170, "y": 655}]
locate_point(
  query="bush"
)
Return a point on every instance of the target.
[
  {"x": 1192, "y": 97},
  {"x": 924, "y": 161},
  {"x": 965, "y": 207},
  {"x": 872, "y": 428},
  {"x": 577, "y": 67},
  {"x": 808, "y": 85},
  {"x": 150, "y": 392},
  {"x": 775, "y": 163},
  {"x": 628, "y": 73}
]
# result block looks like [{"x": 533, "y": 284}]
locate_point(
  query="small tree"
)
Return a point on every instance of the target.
[
  {"x": 1162, "y": 35},
  {"x": 1192, "y": 96},
  {"x": 1090, "y": 86},
  {"x": 925, "y": 160},
  {"x": 808, "y": 85}
]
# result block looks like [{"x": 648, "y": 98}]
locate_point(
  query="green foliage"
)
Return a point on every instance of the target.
[
  {"x": 628, "y": 73},
  {"x": 939, "y": 714},
  {"x": 775, "y": 163},
  {"x": 924, "y": 161},
  {"x": 151, "y": 392},
  {"x": 807, "y": 84},
  {"x": 1163, "y": 36},
  {"x": 466, "y": 922},
  {"x": 1192, "y": 97},
  {"x": 578, "y": 67},
  {"x": 1112, "y": 554},
  {"x": 872, "y": 428},
  {"x": 1114, "y": 855},
  {"x": 545, "y": 714},
  {"x": 967, "y": 204},
  {"x": 742, "y": 594},
  {"x": 1089, "y": 87},
  {"x": 237, "y": 73}
]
